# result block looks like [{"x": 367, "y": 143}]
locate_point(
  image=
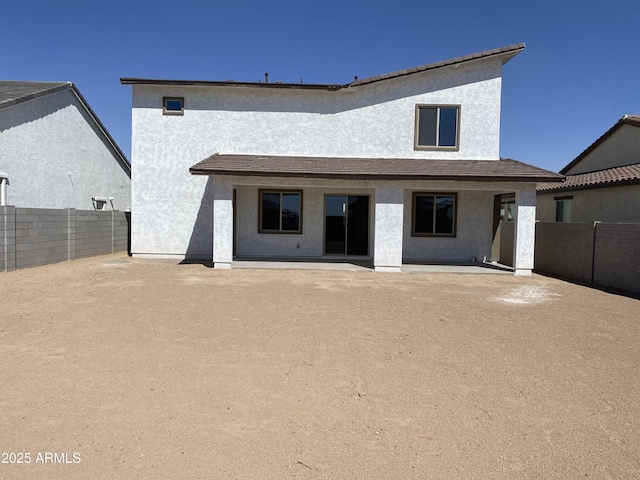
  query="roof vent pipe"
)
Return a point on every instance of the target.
[{"x": 266, "y": 77}]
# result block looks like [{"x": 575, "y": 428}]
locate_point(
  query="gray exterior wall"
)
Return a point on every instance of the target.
[
  {"x": 56, "y": 157},
  {"x": 613, "y": 204},
  {"x": 600, "y": 253},
  {"x": 35, "y": 236}
]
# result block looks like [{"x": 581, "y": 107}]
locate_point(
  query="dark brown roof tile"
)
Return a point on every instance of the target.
[{"x": 505, "y": 170}]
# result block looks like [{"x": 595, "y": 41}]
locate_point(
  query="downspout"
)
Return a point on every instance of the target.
[{"x": 4, "y": 181}]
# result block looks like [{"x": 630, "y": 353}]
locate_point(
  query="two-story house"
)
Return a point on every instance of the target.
[{"x": 398, "y": 168}]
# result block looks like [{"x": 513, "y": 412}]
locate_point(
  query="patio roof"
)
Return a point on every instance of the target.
[{"x": 504, "y": 170}]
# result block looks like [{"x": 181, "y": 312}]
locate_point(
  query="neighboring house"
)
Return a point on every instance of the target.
[
  {"x": 55, "y": 152},
  {"x": 398, "y": 168},
  {"x": 601, "y": 184}
]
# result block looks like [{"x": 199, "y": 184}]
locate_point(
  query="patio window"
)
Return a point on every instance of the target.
[
  {"x": 280, "y": 211},
  {"x": 437, "y": 127},
  {"x": 434, "y": 214},
  {"x": 173, "y": 105}
]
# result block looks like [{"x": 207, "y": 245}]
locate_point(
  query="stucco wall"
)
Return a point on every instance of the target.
[
  {"x": 613, "y": 204},
  {"x": 474, "y": 231},
  {"x": 56, "y": 158},
  {"x": 475, "y": 213},
  {"x": 376, "y": 120},
  {"x": 621, "y": 148},
  {"x": 308, "y": 244}
]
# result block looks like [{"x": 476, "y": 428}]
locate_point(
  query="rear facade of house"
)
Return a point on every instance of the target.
[{"x": 393, "y": 169}]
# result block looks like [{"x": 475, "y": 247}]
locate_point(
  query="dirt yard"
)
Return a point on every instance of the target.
[{"x": 124, "y": 368}]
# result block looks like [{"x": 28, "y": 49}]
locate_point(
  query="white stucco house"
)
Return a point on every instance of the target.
[
  {"x": 602, "y": 183},
  {"x": 399, "y": 168},
  {"x": 55, "y": 152}
]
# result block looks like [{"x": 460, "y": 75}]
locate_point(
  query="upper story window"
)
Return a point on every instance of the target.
[
  {"x": 173, "y": 105},
  {"x": 437, "y": 127}
]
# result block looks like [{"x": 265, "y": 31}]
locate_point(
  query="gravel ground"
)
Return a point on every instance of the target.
[{"x": 115, "y": 367}]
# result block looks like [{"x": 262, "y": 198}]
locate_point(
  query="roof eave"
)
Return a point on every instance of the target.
[
  {"x": 591, "y": 186},
  {"x": 231, "y": 83},
  {"x": 365, "y": 176}
]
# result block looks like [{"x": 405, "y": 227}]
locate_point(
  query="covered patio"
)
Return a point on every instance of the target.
[{"x": 377, "y": 204}]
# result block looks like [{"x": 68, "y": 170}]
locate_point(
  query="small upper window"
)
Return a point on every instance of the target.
[
  {"x": 437, "y": 127},
  {"x": 173, "y": 105}
]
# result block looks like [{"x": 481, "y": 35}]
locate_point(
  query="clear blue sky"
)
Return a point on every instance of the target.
[{"x": 579, "y": 72}]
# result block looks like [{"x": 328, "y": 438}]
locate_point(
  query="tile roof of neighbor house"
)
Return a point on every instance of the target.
[
  {"x": 632, "y": 120},
  {"x": 610, "y": 177},
  {"x": 504, "y": 170},
  {"x": 507, "y": 53},
  {"x": 15, "y": 92}
]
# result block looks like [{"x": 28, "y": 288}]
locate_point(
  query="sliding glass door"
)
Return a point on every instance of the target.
[{"x": 346, "y": 225}]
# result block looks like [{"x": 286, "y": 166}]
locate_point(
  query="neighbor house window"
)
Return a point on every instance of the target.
[
  {"x": 173, "y": 105},
  {"x": 434, "y": 214},
  {"x": 437, "y": 127},
  {"x": 280, "y": 211},
  {"x": 563, "y": 209}
]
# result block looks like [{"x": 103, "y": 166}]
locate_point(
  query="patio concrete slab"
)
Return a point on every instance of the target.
[{"x": 486, "y": 268}]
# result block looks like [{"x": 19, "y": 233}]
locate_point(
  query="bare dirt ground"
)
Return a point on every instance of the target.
[{"x": 127, "y": 368}]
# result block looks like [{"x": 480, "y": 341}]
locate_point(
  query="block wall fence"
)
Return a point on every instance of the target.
[
  {"x": 604, "y": 254},
  {"x": 36, "y": 236}
]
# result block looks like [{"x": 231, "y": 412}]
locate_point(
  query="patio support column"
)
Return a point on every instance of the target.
[
  {"x": 388, "y": 229},
  {"x": 222, "y": 223},
  {"x": 525, "y": 234}
]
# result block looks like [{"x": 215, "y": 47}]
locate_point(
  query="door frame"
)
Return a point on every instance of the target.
[{"x": 324, "y": 224}]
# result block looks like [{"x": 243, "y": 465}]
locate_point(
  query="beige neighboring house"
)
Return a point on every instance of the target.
[{"x": 601, "y": 184}]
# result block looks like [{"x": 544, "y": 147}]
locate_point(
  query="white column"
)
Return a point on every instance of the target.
[
  {"x": 222, "y": 223},
  {"x": 388, "y": 229},
  {"x": 525, "y": 234}
]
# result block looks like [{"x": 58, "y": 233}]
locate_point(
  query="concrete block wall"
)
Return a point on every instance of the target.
[
  {"x": 564, "y": 249},
  {"x": 7, "y": 238},
  {"x": 35, "y": 236},
  {"x": 40, "y": 236},
  {"x": 94, "y": 233},
  {"x": 617, "y": 258},
  {"x": 605, "y": 254}
]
